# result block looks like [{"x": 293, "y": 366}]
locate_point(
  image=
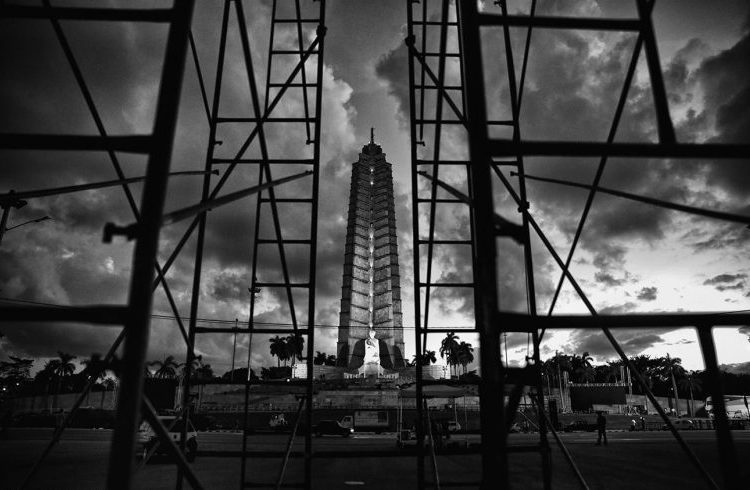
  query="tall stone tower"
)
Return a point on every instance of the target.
[{"x": 371, "y": 336}]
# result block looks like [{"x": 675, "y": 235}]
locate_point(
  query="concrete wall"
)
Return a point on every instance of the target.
[{"x": 65, "y": 401}]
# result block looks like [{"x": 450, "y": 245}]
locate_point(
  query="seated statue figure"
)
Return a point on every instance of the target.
[{"x": 373, "y": 352}]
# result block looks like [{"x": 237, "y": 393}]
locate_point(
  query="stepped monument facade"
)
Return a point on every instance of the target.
[{"x": 370, "y": 336}]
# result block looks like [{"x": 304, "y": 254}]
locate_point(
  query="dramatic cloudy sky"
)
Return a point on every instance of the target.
[{"x": 631, "y": 258}]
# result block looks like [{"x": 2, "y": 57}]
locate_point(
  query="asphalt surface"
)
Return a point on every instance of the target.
[{"x": 643, "y": 459}]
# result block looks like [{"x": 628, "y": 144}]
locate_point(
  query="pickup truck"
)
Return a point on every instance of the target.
[
  {"x": 147, "y": 438},
  {"x": 331, "y": 428}
]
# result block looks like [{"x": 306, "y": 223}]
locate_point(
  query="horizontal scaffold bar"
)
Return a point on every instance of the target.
[
  {"x": 635, "y": 320},
  {"x": 104, "y": 315},
  {"x": 635, "y": 150}
]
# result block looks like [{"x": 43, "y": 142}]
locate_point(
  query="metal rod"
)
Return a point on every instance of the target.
[
  {"x": 443, "y": 40},
  {"x": 146, "y": 249},
  {"x": 708, "y": 213},
  {"x": 631, "y": 320},
  {"x": 289, "y": 444},
  {"x": 499, "y": 148},
  {"x": 691, "y": 455},
  {"x": 416, "y": 263},
  {"x": 302, "y": 72},
  {"x": 125, "y": 144},
  {"x": 312, "y": 274},
  {"x": 101, "y": 315},
  {"x": 664, "y": 122},
  {"x": 149, "y": 413},
  {"x": 728, "y": 460},
  {"x": 99, "y": 14},
  {"x": 433, "y": 457},
  {"x": 264, "y": 154},
  {"x": 491, "y": 387},
  {"x": 436, "y": 80},
  {"x": 56, "y": 191},
  {"x": 422, "y": 66},
  {"x": 600, "y": 169},
  {"x": 37, "y": 220},
  {"x": 521, "y": 83},
  {"x": 200, "y": 240},
  {"x": 89, "y": 99},
  {"x": 202, "y": 208},
  {"x": 219, "y": 185},
  {"x": 549, "y": 22},
  {"x": 199, "y": 73},
  {"x": 564, "y": 449},
  {"x": 57, "y": 434}
]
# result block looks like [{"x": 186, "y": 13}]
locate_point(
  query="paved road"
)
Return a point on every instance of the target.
[{"x": 652, "y": 459}]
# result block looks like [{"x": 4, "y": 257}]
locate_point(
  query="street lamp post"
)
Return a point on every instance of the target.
[{"x": 254, "y": 292}]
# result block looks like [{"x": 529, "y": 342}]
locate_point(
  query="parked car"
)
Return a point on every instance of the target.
[
  {"x": 736, "y": 424},
  {"x": 580, "y": 425},
  {"x": 147, "y": 438},
  {"x": 453, "y": 426},
  {"x": 680, "y": 424},
  {"x": 331, "y": 428}
]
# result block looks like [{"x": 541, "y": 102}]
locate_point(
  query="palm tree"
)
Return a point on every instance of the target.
[
  {"x": 580, "y": 366},
  {"x": 61, "y": 367},
  {"x": 692, "y": 384},
  {"x": 427, "y": 358},
  {"x": 204, "y": 372},
  {"x": 196, "y": 365},
  {"x": 646, "y": 367},
  {"x": 449, "y": 349},
  {"x": 166, "y": 369},
  {"x": 331, "y": 360},
  {"x": 671, "y": 366},
  {"x": 320, "y": 358},
  {"x": 44, "y": 378},
  {"x": 95, "y": 369},
  {"x": 279, "y": 349},
  {"x": 295, "y": 345},
  {"x": 465, "y": 354},
  {"x": 57, "y": 369}
]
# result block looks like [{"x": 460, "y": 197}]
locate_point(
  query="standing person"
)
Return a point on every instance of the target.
[
  {"x": 601, "y": 428},
  {"x": 643, "y": 423}
]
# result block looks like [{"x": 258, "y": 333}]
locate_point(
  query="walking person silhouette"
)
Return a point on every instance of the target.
[{"x": 601, "y": 428}]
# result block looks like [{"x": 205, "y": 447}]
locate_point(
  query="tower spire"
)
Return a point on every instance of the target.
[{"x": 372, "y": 136}]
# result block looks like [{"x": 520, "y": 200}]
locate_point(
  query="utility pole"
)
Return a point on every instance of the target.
[
  {"x": 234, "y": 349},
  {"x": 674, "y": 387}
]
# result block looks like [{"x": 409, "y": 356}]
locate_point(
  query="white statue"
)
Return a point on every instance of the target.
[{"x": 371, "y": 361}]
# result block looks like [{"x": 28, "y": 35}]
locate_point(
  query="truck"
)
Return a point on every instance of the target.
[
  {"x": 278, "y": 423},
  {"x": 367, "y": 420}
]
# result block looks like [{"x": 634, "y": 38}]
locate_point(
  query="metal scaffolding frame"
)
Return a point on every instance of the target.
[
  {"x": 459, "y": 105},
  {"x": 135, "y": 317},
  {"x": 308, "y": 58},
  {"x": 487, "y": 155},
  {"x": 157, "y": 146}
]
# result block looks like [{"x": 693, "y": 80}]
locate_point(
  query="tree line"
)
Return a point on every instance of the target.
[{"x": 664, "y": 375}]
